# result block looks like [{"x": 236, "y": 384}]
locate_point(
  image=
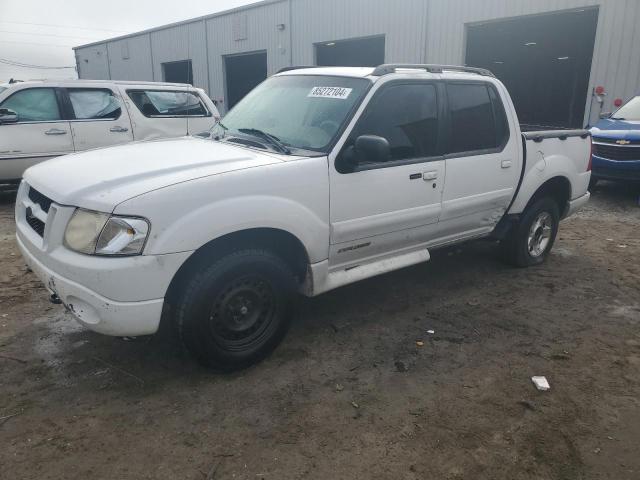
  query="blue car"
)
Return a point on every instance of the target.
[{"x": 616, "y": 144}]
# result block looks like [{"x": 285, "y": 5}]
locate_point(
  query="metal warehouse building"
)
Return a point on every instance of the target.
[{"x": 551, "y": 54}]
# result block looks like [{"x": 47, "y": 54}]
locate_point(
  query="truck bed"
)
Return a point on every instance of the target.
[{"x": 549, "y": 153}]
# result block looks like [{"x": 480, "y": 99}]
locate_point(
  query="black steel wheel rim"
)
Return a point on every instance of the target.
[{"x": 242, "y": 314}]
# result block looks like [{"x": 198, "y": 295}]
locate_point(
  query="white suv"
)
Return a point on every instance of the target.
[
  {"x": 45, "y": 119},
  {"x": 316, "y": 179}
]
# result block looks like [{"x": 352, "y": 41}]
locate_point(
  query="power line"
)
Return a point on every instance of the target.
[
  {"x": 28, "y": 65},
  {"x": 64, "y": 26},
  {"x": 46, "y": 34},
  {"x": 34, "y": 43}
]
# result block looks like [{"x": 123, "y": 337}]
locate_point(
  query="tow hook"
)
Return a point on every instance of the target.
[{"x": 55, "y": 299}]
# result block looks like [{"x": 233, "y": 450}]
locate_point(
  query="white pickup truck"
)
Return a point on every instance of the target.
[
  {"x": 45, "y": 119},
  {"x": 318, "y": 178}
]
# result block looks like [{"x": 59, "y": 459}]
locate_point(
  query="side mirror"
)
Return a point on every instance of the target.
[
  {"x": 8, "y": 116},
  {"x": 605, "y": 115},
  {"x": 372, "y": 149}
]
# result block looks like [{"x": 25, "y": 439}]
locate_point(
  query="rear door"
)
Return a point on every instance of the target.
[
  {"x": 483, "y": 160},
  {"x": 42, "y": 132},
  {"x": 383, "y": 208},
  {"x": 98, "y": 119},
  {"x": 163, "y": 113}
]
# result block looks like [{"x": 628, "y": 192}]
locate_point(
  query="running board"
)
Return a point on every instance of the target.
[{"x": 360, "y": 272}]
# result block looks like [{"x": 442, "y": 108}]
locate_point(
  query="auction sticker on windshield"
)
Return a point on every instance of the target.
[{"x": 330, "y": 92}]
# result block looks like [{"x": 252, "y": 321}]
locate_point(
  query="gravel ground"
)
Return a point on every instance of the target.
[{"x": 350, "y": 394}]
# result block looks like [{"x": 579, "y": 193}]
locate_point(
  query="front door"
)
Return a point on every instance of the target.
[
  {"x": 381, "y": 209},
  {"x": 40, "y": 133}
]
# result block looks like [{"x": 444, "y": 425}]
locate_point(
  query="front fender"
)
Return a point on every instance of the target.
[
  {"x": 220, "y": 218},
  {"x": 293, "y": 197}
]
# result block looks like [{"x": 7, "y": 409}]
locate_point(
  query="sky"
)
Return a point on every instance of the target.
[{"x": 43, "y": 32}]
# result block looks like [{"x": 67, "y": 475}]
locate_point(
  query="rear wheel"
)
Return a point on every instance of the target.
[
  {"x": 234, "y": 312},
  {"x": 593, "y": 183},
  {"x": 532, "y": 238}
]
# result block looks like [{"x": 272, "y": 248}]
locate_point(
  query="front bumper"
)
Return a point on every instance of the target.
[
  {"x": 121, "y": 296},
  {"x": 94, "y": 311},
  {"x": 605, "y": 169}
]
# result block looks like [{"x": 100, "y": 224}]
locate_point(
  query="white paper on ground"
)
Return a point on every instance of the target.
[{"x": 541, "y": 383}]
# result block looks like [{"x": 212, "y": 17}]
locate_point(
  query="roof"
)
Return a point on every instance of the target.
[
  {"x": 418, "y": 71},
  {"x": 183, "y": 22},
  {"x": 86, "y": 81},
  {"x": 361, "y": 72}
]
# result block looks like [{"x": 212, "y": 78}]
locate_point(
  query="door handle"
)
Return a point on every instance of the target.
[
  {"x": 506, "y": 164},
  {"x": 55, "y": 131},
  {"x": 432, "y": 175},
  {"x": 118, "y": 129}
]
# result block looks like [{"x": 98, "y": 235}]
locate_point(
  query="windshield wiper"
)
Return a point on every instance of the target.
[
  {"x": 618, "y": 118},
  {"x": 272, "y": 139}
]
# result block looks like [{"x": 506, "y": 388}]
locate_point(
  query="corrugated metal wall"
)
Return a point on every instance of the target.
[
  {"x": 183, "y": 42},
  {"x": 93, "y": 62},
  {"x": 261, "y": 34},
  {"x": 415, "y": 31},
  {"x": 129, "y": 58},
  {"x": 401, "y": 21},
  {"x": 616, "y": 62}
]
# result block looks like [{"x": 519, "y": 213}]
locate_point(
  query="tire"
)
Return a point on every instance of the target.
[
  {"x": 532, "y": 238},
  {"x": 234, "y": 312},
  {"x": 593, "y": 183}
]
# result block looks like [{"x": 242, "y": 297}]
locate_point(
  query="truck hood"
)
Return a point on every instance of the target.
[
  {"x": 101, "y": 179},
  {"x": 617, "y": 129}
]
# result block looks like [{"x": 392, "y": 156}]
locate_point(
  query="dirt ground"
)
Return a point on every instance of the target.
[{"x": 349, "y": 394}]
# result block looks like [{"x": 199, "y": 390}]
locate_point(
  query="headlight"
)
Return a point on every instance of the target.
[{"x": 102, "y": 234}]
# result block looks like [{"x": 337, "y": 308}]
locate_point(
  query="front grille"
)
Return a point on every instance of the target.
[
  {"x": 35, "y": 223},
  {"x": 36, "y": 197},
  {"x": 614, "y": 141},
  {"x": 615, "y": 152}
]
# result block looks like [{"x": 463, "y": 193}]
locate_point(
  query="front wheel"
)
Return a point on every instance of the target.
[
  {"x": 532, "y": 238},
  {"x": 235, "y": 311}
]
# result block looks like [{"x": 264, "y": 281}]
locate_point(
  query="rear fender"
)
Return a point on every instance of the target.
[{"x": 540, "y": 169}]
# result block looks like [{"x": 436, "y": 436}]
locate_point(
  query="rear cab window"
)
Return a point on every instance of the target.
[
  {"x": 168, "y": 103},
  {"x": 478, "y": 122},
  {"x": 94, "y": 104}
]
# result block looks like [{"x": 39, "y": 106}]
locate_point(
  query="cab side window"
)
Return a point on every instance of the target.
[
  {"x": 478, "y": 120},
  {"x": 407, "y": 116},
  {"x": 166, "y": 103},
  {"x": 34, "y": 105},
  {"x": 94, "y": 104}
]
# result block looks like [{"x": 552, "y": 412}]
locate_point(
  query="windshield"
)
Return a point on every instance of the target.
[
  {"x": 2, "y": 89},
  {"x": 300, "y": 111},
  {"x": 629, "y": 111}
]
